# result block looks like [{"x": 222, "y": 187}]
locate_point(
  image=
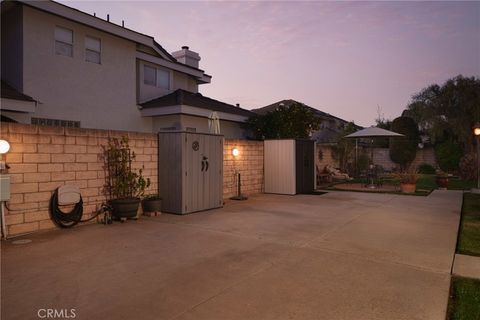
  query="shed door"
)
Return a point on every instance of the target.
[
  {"x": 204, "y": 158},
  {"x": 193, "y": 198},
  {"x": 305, "y": 166}
]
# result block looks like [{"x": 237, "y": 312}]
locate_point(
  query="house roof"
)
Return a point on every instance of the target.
[
  {"x": 289, "y": 102},
  {"x": 183, "y": 97},
  {"x": 8, "y": 92},
  {"x": 98, "y": 23}
]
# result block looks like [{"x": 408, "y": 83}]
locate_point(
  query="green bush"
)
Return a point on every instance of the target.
[
  {"x": 404, "y": 149},
  {"x": 448, "y": 154},
  {"x": 426, "y": 168}
]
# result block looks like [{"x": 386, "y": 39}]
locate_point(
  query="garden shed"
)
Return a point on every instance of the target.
[
  {"x": 190, "y": 171},
  {"x": 289, "y": 166}
]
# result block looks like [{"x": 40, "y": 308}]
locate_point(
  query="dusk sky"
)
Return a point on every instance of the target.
[{"x": 343, "y": 58}]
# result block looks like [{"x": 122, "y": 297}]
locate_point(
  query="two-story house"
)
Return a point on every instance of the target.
[{"x": 64, "y": 67}]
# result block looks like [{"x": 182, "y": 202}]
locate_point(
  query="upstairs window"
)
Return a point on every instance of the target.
[
  {"x": 156, "y": 77},
  {"x": 93, "y": 52},
  {"x": 63, "y": 42},
  {"x": 163, "y": 79},
  {"x": 149, "y": 75}
]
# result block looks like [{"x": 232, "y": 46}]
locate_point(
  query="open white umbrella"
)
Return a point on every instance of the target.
[
  {"x": 214, "y": 123},
  {"x": 371, "y": 132},
  {"x": 374, "y": 132}
]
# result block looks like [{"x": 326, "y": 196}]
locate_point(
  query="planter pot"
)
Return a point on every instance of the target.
[
  {"x": 152, "y": 205},
  {"x": 442, "y": 182},
  {"x": 408, "y": 187},
  {"x": 125, "y": 208}
]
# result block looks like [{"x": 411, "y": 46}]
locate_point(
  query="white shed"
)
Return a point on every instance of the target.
[{"x": 289, "y": 166}]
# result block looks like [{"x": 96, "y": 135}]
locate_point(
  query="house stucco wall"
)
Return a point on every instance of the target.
[
  {"x": 69, "y": 88},
  {"x": 11, "y": 38},
  {"x": 230, "y": 129}
]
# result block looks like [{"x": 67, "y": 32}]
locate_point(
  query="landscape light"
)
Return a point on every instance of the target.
[
  {"x": 235, "y": 152},
  {"x": 476, "y": 129}
]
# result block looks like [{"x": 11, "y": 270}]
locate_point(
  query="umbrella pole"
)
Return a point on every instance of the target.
[{"x": 356, "y": 158}]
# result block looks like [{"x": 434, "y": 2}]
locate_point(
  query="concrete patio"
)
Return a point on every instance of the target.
[{"x": 340, "y": 255}]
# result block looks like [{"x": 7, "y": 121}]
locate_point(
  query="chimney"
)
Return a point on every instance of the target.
[{"x": 186, "y": 56}]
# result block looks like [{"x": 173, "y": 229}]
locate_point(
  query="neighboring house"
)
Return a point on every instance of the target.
[
  {"x": 84, "y": 71},
  {"x": 330, "y": 125}
]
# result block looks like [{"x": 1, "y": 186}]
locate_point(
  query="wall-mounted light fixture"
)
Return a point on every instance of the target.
[
  {"x": 235, "y": 152},
  {"x": 4, "y": 146}
]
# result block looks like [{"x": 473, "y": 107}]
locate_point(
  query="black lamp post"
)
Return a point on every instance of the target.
[{"x": 476, "y": 132}]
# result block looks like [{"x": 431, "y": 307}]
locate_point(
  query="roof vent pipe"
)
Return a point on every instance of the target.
[
  {"x": 123, "y": 24},
  {"x": 108, "y": 17},
  {"x": 238, "y": 105}
]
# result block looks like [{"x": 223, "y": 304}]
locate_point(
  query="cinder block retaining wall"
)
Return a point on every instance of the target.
[
  {"x": 381, "y": 156},
  {"x": 249, "y": 163},
  {"x": 43, "y": 158}
]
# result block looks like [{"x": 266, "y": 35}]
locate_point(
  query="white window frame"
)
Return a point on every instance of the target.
[
  {"x": 169, "y": 72},
  {"x": 158, "y": 70},
  {"x": 155, "y": 72},
  {"x": 55, "y": 40},
  {"x": 93, "y": 50}
]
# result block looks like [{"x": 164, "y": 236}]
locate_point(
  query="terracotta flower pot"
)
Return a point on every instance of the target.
[{"x": 408, "y": 187}]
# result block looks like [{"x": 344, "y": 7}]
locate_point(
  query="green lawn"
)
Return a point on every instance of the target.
[
  {"x": 464, "y": 301},
  {"x": 469, "y": 235},
  {"x": 459, "y": 184}
]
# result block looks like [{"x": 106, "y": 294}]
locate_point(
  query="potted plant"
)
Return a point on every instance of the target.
[
  {"x": 408, "y": 181},
  {"x": 123, "y": 185},
  {"x": 442, "y": 180},
  {"x": 152, "y": 204}
]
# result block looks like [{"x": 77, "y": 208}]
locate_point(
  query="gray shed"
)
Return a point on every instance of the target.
[
  {"x": 289, "y": 166},
  {"x": 190, "y": 171}
]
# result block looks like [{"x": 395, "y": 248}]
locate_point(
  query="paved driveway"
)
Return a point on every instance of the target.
[{"x": 340, "y": 255}]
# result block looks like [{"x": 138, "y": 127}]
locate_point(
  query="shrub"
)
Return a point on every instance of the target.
[
  {"x": 468, "y": 167},
  {"x": 448, "y": 154},
  {"x": 404, "y": 149},
  {"x": 426, "y": 168},
  {"x": 122, "y": 182}
]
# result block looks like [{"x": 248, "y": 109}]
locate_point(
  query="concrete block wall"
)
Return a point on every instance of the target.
[
  {"x": 381, "y": 156},
  {"x": 249, "y": 163},
  {"x": 324, "y": 157},
  {"x": 43, "y": 158}
]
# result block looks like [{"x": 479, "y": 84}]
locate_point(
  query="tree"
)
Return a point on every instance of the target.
[
  {"x": 344, "y": 149},
  {"x": 448, "y": 112},
  {"x": 404, "y": 149},
  {"x": 296, "y": 121},
  {"x": 382, "y": 122}
]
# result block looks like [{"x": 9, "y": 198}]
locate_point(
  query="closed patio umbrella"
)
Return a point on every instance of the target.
[{"x": 214, "y": 123}]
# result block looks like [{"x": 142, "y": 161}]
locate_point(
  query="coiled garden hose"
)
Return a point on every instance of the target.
[{"x": 68, "y": 219}]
